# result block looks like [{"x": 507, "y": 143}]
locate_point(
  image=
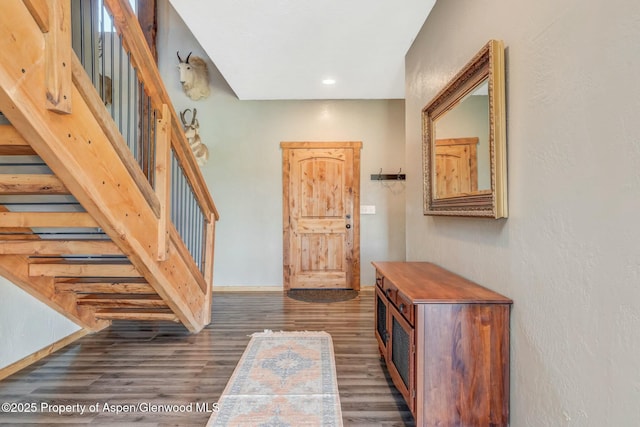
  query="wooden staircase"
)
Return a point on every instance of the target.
[{"x": 111, "y": 250}]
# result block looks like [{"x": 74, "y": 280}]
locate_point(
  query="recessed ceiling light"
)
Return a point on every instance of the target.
[{"x": 329, "y": 82}]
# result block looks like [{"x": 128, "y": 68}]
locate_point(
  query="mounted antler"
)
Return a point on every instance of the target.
[
  {"x": 194, "y": 122},
  {"x": 200, "y": 151},
  {"x": 182, "y": 117},
  {"x": 186, "y": 61}
]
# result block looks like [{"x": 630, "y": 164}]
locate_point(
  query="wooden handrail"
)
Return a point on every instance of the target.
[{"x": 134, "y": 43}]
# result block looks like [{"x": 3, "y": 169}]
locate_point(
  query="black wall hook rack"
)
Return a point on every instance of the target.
[{"x": 388, "y": 177}]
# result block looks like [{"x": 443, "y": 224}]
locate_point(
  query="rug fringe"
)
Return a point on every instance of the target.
[{"x": 269, "y": 332}]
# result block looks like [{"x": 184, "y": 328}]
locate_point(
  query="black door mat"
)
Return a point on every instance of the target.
[{"x": 322, "y": 295}]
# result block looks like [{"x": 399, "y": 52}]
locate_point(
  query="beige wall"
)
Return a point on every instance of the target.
[
  {"x": 569, "y": 253},
  {"x": 244, "y": 173},
  {"x": 26, "y": 324}
]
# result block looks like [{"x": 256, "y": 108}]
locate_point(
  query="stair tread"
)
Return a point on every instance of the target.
[
  {"x": 100, "y": 280},
  {"x": 13, "y": 144},
  {"x": 89, "y": 262},
  {"x": 115, "y": 269},
  {"x": 102, "y": 296},
  {"x": 35, "y": 246},
  {"x": 121, "y": 300},
  {"x": 95, "y": 285},
  {"x": 134, "y": 310},
  {"x": 48, "y": 219},
  {"x": 136, "y": 314},
  {"x": 30, "y": 184}
]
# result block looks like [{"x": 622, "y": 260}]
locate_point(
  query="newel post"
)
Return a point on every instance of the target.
[{"x": 54, "y": 19}]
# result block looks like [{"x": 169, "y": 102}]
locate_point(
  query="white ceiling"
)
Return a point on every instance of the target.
[{"x": 283, "y": 49}]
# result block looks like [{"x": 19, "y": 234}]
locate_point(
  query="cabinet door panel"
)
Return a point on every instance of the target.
[
  {"x": 381, "y": 330},
  {"x": 401, "y": 356}
]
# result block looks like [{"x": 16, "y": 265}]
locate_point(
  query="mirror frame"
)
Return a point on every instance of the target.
[{"x": 487, "y": 64}]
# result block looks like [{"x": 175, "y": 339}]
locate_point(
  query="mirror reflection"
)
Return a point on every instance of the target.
[
  {"x": 462, "y": 153},
  {"x": 464, "y": 141}
]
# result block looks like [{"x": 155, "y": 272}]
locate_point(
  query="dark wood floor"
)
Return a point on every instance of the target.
[{"x": 162, "y": 363}]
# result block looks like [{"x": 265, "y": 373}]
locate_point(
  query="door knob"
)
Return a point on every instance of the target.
[{"x": 348, "y": 226}]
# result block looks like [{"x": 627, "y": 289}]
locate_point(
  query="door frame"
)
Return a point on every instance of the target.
[{"x": 356, "y": 146}]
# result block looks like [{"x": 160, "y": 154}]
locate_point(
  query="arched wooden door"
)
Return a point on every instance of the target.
[
  {"x": 456, "y": 166},
  {"x": 321, "y": 221}
]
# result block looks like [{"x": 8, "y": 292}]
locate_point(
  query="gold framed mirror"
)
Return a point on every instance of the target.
[{"x": 464, "y": 141}]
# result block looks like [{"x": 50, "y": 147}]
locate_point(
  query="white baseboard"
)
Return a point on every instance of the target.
[{"x": 264, "y": 288}]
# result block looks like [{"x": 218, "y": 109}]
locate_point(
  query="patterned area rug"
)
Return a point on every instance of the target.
[{"x": 282, "y": 379}]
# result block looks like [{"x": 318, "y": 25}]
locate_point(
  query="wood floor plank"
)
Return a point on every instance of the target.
[{"x": 162, "y": 363}]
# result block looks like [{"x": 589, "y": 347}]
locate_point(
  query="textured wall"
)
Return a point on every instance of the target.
[
  {"x": 244, "y": 173},
  {"x": 569, "y": 252},
  {"x": 26, "y": 324}
]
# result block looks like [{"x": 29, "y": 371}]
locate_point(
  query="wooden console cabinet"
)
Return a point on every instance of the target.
[{"x": 445, "y": 341}]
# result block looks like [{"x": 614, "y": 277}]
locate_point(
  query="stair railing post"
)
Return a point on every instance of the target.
[
  {"x": 163, "y": 179},
  {"x": 210, "y": 230}
]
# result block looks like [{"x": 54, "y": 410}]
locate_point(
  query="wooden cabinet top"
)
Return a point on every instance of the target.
[{"x": 427, "y": 283}]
